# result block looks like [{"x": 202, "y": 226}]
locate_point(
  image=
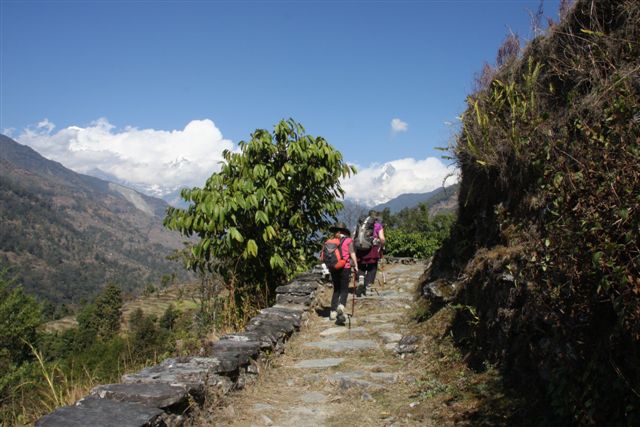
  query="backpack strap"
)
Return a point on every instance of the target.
[{"x": 342, "y": 239}]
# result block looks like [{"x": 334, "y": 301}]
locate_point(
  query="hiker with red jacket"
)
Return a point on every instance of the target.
[
  {"x": 369, "y": 243},
  {"x": 342, "y": 245}
]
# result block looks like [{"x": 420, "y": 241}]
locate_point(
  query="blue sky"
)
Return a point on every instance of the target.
[{"x": 344, "y": 69}]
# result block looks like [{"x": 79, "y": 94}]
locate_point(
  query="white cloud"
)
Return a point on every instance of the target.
[
  {"x": 398, "y": 125},
  {"x": 156, "y": 160},
  {"x": 46, "y": 126},
  {"x": 379, "y": 183}
]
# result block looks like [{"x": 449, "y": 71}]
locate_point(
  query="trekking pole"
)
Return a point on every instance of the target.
[
  {"x": 384, "y": 275},
  {"x": 353, "y": 299}
]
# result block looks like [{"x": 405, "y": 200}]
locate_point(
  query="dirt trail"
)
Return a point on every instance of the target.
[{"x": 336, "y": 376}]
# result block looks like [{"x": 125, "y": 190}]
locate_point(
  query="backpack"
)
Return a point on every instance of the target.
[
  {"x": 363, "y": 240},
  {"x": 331, "y": 254}
]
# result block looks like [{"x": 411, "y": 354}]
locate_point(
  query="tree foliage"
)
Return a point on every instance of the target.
[
  {"x": 258, "y": 218},
  {"x": 20, "y": 315},
  {"x": 413, "y": 233},
  {"x": 102, "y": 317}
]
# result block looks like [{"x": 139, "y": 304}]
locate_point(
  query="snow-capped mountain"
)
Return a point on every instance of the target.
[
  {"x": 387, "y": 173},
  {"x": 169, "y": 194}
]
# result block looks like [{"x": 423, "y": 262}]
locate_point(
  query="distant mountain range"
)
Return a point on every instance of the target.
[
  {"x": 443, "y": 198},
  {"x": 168, "y": 194},
  {"x": 64, "y": 235},
  {"x": 440, "y": 200}
]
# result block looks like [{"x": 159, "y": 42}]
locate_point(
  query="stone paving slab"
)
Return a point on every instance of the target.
[
  {"x": 388, "y": 295},
  {"x": 338, "y": 376},
  {"x": 379, "y": 326},
  {"x": 155, "y": 395},
  {"x": 387, "y": 377},
  {"x": 347, "y": 383},
  {"x": 343, "y": 345},
  {"x": 192, "y": 373},
  {"x": 308, "y": 277},
  {"x": 319, "y": 363},
  {"x": 96, "y": 412},
  {"x": 304, "y": 300},
  {"x": 298, "y": 288},
  {"x": 304, "y": 416},
  {"x": 257, "y": 407},
  {"x": 313, "y": 378},
  {"x": 393, "y": 346},
  {"x": 388, "y": 337},
  {"x": 381, "y": 317},
  {"x": 338, "y": 330},
  {"x": 294, "y": 315},
  {"x": 314, "y": 397},
  {"x": 290, "y": 306},
  {"x": 241, "y": 349}
]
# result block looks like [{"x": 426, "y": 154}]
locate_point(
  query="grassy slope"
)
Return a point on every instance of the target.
[{"x": 546, "y": 240}]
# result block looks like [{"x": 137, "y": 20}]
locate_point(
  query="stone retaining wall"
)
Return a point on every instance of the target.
[{"x": 165, "y": 395}]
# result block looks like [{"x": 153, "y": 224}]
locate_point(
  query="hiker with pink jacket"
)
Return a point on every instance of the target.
[
  {"x": 338, "y": 254},
  {"x": 369, "y": 243}
]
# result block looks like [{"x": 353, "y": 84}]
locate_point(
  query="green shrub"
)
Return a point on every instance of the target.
[
  {"x": 410, "y": 244},
  {"x": 258, "y": 219}
]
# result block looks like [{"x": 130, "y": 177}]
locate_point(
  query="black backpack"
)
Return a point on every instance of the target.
[{"x": 363, "y": 240}]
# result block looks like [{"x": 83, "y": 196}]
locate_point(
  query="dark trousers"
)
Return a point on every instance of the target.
[
  {"x": 369, "y": 273},
  {"x": 340, "y": 279}
]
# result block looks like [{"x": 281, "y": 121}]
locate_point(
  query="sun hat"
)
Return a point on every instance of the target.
[{"x": 341, "y": 227}]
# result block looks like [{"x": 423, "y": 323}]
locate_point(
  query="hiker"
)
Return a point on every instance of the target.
[
  {"x": 369, "y": 243},
  {"x": 340, "y": 275}
]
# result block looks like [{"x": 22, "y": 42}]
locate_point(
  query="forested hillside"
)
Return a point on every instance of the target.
[
  {"x": 545, "y": 254},
  {"x": 64, "y": 235}
]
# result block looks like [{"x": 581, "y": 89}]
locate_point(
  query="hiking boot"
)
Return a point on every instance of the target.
[
  {"x": 332, "y": 315},
  {"x": 340, "y": 317},
  {"x": 360, "y": 289}
]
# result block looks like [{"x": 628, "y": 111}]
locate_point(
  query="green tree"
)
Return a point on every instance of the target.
[
  {"x": 109, "y": 308},
  {"x": 412, "y": 233},
  {"x": 135, "y": 318},
  {"x": 258, "y": 218},
  {"x": 146, "y": 338},
  {"x": 168, "y": 319},
  {"x": 414, "y": 219},
  {"x": 20, "y": 315},
  {"x": 167, "y": 280},
  {"x": 388, "y": 219},
  {"x": 441, "y": 225},
  {"x": 87, "y": 326},
  {"x": 101, "y": 319}
]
